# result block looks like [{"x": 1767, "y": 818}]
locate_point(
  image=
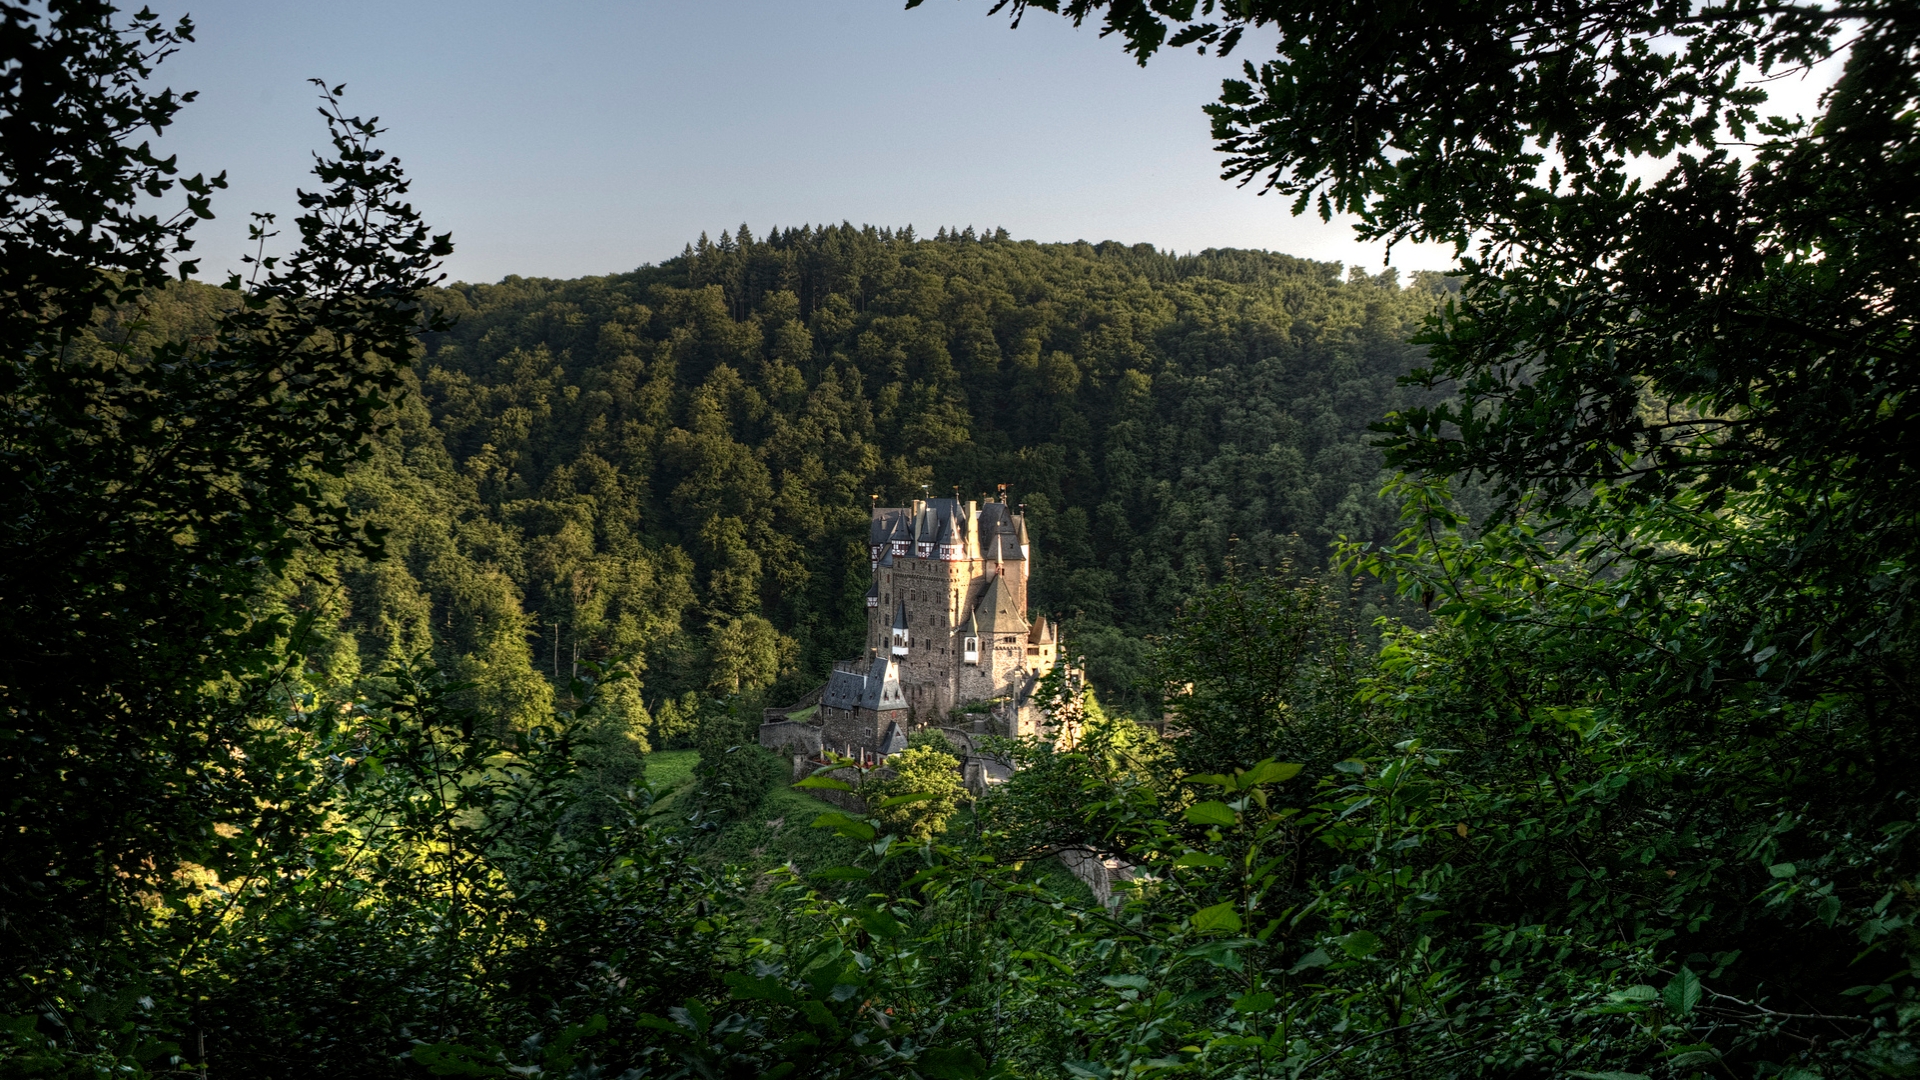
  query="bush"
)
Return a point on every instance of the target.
[
  {"x": 930, "y": 739},
  {"x": 918, "y": 770},
  {"x": 734, "y": 773}
]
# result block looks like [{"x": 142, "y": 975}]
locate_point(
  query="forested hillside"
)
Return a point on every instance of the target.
[
  {"x": 674, "y": 466},
  {"x": 340, "y": 605}
]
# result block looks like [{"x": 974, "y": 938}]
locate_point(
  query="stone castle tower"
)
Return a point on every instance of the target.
[{"x": 947, "y": 624}]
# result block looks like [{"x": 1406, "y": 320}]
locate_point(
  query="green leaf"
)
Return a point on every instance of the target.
[
  {"x": 1683, "y": 993},
  {"x": 842, "y": 873},
  {"x": 879, "y": 923},
  {"x": 749, "y": 988},
  {"x": 902, "y": 800},
  {"x": 1215, "y": 779},
  {"x": 1125, "y": 982},
  {"x": 1211, "y": 813},
  {"x": 1220, "y": 918},
  {"x": 1253, "y": 1003},
  {"x": 845, "y": 826},
  {"x": 1783, "y": 870},
  {"x": 693, "y": 1016},
  {"x": 1034, "y": 954},
  {"x": 1634, "y": 993},
  {"x": 1268, "y": 772},
  {"x": 1315, "y": 959},
  {"x": 1200, "y": 858},
  {"x": 1607, "y": 1076},
  {"x": 1360, "y": 943}
]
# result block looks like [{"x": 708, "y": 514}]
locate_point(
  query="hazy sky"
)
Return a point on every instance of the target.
[
  {"x": 574, "y": 138},
  {"x": 569, "y": 138}
]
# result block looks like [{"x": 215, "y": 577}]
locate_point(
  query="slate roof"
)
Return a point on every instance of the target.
[
  {"x": 997, "y": 612},
  {"x": 1000, "y": 533},
  {"x": 877, "y": 688},
  {"x": 1001, "y": 547}
]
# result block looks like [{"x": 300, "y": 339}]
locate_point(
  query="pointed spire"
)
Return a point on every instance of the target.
[
  {"x": 997, "y": 612},
  {"x": 901, "y": 637}
]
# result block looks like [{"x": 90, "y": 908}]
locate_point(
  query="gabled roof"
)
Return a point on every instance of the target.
[
  {"x": 844, "y": 690},
  {"x": 900, "y": 615},
  {"x": 876, "y": 688},
  {"x": 893, "y": 741},
  {"x": 883, "y": 686},
  {"x": 1043, "y": 632},
  {"x": 998, "y": 615}
]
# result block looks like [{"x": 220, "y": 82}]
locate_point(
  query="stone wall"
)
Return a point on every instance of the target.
[
  {"x": 1099, "y": 873},
  {"x": 786, "y": 737}
]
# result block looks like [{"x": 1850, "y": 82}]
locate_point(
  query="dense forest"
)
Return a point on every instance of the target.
[
  {"x": 673, "y": 467},
  {"x": 1532, "y": 651}
]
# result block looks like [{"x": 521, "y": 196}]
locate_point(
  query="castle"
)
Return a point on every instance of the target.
[{"x": 947, "y": 626}]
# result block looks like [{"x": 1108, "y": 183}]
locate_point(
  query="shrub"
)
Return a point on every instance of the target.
[
  {"x": 918, "y": 770},
  {"x": 734, "y": 773}
]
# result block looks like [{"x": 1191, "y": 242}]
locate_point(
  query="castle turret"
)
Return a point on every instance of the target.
[
  {"x": 1043, "y": 644},
  {"x": 948, "y": 545},
  {"x": 901, "y": 636}
]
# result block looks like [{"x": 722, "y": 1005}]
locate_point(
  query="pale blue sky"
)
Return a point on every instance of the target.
[
  {"x": 589, "y": 136},
  {"x": 578, "y": 137}
]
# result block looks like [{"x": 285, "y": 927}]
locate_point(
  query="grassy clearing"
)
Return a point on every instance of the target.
[
  {"x": 670, "y": 774},
  {"x": 671, "y": 770}
]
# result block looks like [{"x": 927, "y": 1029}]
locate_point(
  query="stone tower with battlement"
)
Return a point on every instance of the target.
[{"x": 948, "y": 608}]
